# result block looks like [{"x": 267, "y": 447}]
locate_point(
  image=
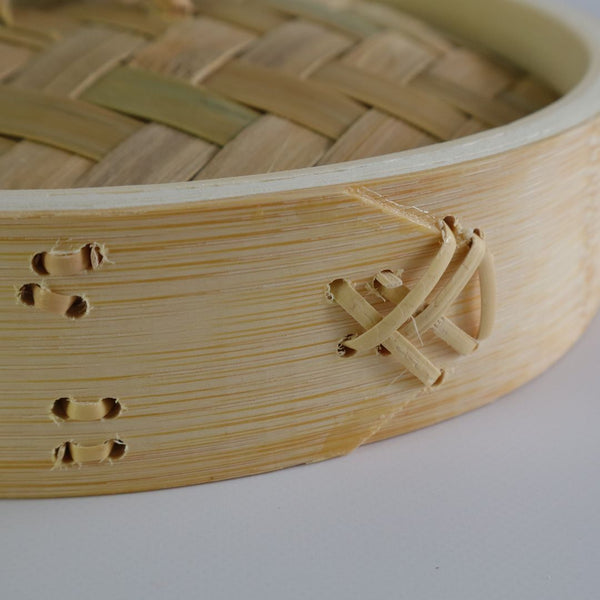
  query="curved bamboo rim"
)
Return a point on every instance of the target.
[{"x": 566, "y": 52}]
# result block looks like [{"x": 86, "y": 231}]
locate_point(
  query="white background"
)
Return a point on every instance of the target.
[{"x": 500, "y": 503}]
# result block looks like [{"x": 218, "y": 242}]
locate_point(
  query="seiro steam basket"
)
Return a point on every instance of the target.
[{"x": 246, "y": 235}]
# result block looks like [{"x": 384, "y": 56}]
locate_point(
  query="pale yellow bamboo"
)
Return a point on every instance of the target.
[
  {"x": 409, "y": 305},
  {"x": 390, "y": 286},
  {"x": 344, "y": 294},
  {"x": 209, "y": 321}
]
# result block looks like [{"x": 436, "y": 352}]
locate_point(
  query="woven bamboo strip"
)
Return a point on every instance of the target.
[
  {"x": 192, "y": 49},
  {"x": 403, "y": 22},
  {"x": 55, "y": 168},
  {"x": 66, "y": 69},
  {"x": 12, "y": 58},
  {"x": 317, "y": 107},
  {"x": 154, "y": 154},
  {"x": 297, "y": 47},
  {"x": 70, "y": 66},
  {"x": 165, "y": 100},
  {"x": 243, "y": 15},
  {"x": 421, "y": 109},
  {"x": 473, "y": 72},
  {"x": 158, "y": 153},
  {"x": 339, "y": 18},
  {"x": 487, "y": 111},
  {"x": 260, "y": 149},
  {"x": 30, "y": 40},
  {"x": 68, "y": 124},
  {"x": 43, "y": 21},
  {"x": 375, "y": 134},
  {"x": 527, "y": 95},
  {"x": 391, "y": 55},
  {"x": 134, "y": 19}
]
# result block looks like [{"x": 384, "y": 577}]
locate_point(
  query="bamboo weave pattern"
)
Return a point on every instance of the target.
[{"x": 95, "y": 94}]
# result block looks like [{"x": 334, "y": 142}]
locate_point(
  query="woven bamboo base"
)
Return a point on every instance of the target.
[{"x": 95, "y": 94}]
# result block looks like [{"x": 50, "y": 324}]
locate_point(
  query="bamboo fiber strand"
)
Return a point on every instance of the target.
[
  {"x": 403, "y": 312},
  {"x": 117, "y": 15},
  {"x": 390, "y": 286},
  {"x": 67, "y": 68},
  {"x": 400, "y": 347},
  {"x": 317, "y": 107},
  {"x": 151, "y": 96},
  {"x": 68, "y": 124},
  {"x": 341, "y": 19},
  {"x": 418, "y": 108}
]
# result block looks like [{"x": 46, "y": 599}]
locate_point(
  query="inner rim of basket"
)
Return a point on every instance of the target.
[{"x": 560, "y": 46}]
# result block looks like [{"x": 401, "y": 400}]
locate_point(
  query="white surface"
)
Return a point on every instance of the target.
[{"x": 502, "y": 503}]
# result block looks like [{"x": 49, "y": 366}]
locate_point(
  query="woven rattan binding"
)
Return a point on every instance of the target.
[{"x": 95, "y": 94}]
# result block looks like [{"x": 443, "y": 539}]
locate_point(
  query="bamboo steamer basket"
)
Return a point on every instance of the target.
[{"x": 265, "y": 233}]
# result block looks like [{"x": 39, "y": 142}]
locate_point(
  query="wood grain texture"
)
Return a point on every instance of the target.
[
  {"x": 211, "y": 327},
  {"x": 202, "y": 310}
]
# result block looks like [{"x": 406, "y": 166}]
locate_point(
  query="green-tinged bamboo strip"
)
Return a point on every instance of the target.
[
  {"x": 136, "y": 19},
  {"x": 165, "y": 100},
  {"x": 341, "y": 19},
  {"x": 71, "y": 125},
  {"x": 244, "y": 15},
  {"x": 26, "y": 39}
]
